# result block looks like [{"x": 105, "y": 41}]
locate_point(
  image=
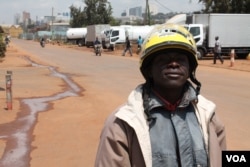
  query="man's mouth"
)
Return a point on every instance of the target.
[{"x": 172, "y": 74}]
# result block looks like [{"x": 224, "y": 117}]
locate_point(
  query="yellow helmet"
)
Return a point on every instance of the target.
[{"x": 168, "y": 37}]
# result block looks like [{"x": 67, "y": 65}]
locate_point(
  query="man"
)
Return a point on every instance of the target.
[
  {"x": 127, "y": 47},
  {"x": 42, "y": 42},
  {"x": 97, "y": 41},
  {"x": 139, "y": 43},
  {"x": 7, "y": 40},
  {"x": 97, "y": 46},
  {"x": 217, "y": 50},
  {"x": 165, "y": 122}
]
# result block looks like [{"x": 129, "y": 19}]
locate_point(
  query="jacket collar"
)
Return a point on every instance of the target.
[{"x": 189, "y": 95}]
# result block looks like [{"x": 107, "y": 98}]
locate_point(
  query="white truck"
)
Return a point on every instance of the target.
[
  {"x": 118, "y": 34},
  {"x": 94, "y": 31},
  {"x": 233, "y": 31},
  {"x": 77, "y": 35}
]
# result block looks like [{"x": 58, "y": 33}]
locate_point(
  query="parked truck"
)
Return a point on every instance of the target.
[
  {"x": 233, "y": 31},
  {"x": 94, "y": 31},
  {"x": 77, "y": 35},
  {"x": 117, "y": 34}
]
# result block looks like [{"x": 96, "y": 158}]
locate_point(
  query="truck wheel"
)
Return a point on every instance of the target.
[
  {"x": 80, "y": 44},
  {"x": 242, "y": 55},
  {"x": 200, "y": 54}
]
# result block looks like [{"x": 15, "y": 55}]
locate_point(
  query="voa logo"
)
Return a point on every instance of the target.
[{"x": 236, "y": 158}]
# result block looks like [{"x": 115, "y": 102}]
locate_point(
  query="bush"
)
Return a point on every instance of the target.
[{"x": 2, "y": 46}]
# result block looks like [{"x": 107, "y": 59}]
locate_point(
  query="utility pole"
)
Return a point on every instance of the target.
[
  {"x": 147, "y": 14},
  {"x": 52, "y": 19}
]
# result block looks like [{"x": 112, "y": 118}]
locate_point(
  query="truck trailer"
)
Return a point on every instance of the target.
[
  {"x": 77, "y": 35},
  {"x": 117, "y": 34},
  {"x": 94, "y": 31},
  {"x": 233, "y": 31}
]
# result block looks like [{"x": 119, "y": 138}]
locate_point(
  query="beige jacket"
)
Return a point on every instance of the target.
[{"x": 125, "y": 139}]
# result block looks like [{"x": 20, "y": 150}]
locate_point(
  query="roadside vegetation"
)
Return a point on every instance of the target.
[
  {"x": 226, "y": 6},
  {"x": 2, "y": 44},
  {"x": 100, "y": 11}
]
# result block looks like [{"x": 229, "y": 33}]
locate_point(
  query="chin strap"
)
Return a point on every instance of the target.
[{"x": 194, "y": 80}]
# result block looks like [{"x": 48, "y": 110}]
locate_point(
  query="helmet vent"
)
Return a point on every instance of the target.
[
  {"x": 191, "y": 42},
  {"x": 179, "y": 32},
  {"x": 183, "y": 34}
]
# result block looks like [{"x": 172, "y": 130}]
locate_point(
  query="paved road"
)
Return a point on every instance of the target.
[
  {"x": 101, "y": 70},
  {"x": 117, "y": 75},
  {"x": 228, "y": 88}
]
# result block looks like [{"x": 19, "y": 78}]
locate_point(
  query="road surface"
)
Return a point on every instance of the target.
[{"x": 69, "y": 93}]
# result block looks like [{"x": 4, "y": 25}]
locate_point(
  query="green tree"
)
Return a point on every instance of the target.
[
  {"x": 98, "y": 12},
  {"x": 2, "y": 46},
  {"x": 2, "y": 43},
  {"x": 114, "y": 22},
  {"x": 77, "y": 17},
  {"x": 94, "y": 12},
  {"x": 242, "y": 6},
  {"x": 226, "y": 6}
]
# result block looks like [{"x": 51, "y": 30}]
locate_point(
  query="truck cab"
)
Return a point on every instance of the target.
[
  {"x": 199, "y": 34},
  {"x": 118, "y": 34},
  {"x": 115, "y": 35}
]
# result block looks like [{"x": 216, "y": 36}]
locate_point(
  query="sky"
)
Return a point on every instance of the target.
[{"x": 40, "y": 8}]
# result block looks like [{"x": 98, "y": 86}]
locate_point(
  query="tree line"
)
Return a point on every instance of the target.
[
  {"x": 94, "y": 12},
  {"x": 100, "y": 11},
  {"x": 226, "y": 6}
]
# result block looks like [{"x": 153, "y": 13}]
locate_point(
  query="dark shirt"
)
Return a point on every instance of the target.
[
  {"x": 128, "y": 44},
  {"x": 97, "y": 42},
  {"x": 176, "y": 137}
]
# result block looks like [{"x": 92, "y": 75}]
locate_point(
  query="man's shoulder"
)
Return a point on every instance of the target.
[{"x": 206, "y": 104}]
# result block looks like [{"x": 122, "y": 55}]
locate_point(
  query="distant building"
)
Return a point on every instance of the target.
[
  {"x": 13, "y": 30},
  {"x": 17, "y": 18},
  {"x": 136, "y": 11},
  {"x": 131, "y": 15},
  {"x": 59, "y": 27},
  {"x": 26, "y": 17},
  {"x": 136, "y": 14},
  {"x": 48, "y": 19},
  {"x": 63, "y": 16},
  {"x": 129, "y": 19}
]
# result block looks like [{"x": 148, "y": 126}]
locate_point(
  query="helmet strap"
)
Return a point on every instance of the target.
[{"x": 194, "y": 80}]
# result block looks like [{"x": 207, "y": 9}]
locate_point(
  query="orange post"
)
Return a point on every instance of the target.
[
  {"x": 8, "y": 90},
  {"x": 232, "y": 57}
]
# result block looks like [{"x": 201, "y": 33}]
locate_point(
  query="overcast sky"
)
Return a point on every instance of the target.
[{"x": 40, "y": 8}]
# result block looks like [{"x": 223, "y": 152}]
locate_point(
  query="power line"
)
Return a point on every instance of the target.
[{"x": 163, "y": 6}]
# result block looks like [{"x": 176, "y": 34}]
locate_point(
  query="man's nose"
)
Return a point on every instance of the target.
[{"x": 173, "y": 64}]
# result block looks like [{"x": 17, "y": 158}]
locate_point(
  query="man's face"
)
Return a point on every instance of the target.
[{"x": 170, "y": 70}]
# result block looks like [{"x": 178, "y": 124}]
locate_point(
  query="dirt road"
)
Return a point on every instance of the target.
[{"x": 67, "y": 135}]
